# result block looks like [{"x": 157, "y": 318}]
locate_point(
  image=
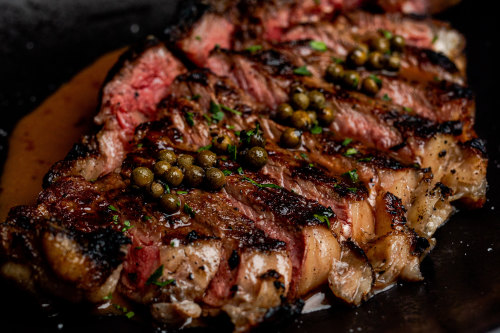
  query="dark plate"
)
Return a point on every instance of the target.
[{"x": 44, "y": 43}]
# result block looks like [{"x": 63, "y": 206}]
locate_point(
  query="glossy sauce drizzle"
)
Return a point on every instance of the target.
[{"x": 45, "y": 136}]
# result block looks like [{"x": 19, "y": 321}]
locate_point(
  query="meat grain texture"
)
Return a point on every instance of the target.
[{"x": 353, "y": 207}]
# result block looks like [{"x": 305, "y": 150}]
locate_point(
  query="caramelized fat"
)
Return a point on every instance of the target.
[{"x": 45, "y": 136}]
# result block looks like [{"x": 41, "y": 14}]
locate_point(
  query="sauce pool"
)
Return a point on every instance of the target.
[{"x": 46, "y": 135}]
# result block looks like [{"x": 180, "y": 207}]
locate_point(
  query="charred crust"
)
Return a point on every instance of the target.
[
  {"x": 103, "y": 246},
  {"x": 275, "y": 61},
  {"x": 196, "y": 76},
  {"x": 419, "y": 245},
  {"x": 192, "y": 236},
  {"x": 270, "y": 274},
  {"x": 341, "y": 187},
  {"x": 395, "y": 209},
  {"x": 438, "y": 59},
  {"x": 424, "y": 128},
  {"x": 445, "y": 191},
  {"x": 477, "y": 144},
  {"x": 456, "y": 91},
  {"x": 190, "y": 12},
  {"x": 234, "y": 260},
  {"x": 285, "y": 312}
]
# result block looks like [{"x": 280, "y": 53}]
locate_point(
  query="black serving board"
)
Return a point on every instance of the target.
[{"x": 43, "y": 43}]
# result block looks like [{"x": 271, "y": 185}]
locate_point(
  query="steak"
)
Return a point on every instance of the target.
[{"x": 354, "y": 206}]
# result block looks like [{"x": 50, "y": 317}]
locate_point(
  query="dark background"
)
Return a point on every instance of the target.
[{"x": 44, "y": 43}]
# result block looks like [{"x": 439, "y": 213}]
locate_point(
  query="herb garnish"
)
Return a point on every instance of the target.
[
  {"x": 113, "y": 208},
  {"x": 140, "y": 145},
  {"x": 337, "y": 60},
  {"x": 387, "y": 34},
  {"x": 366, "y": 159},
  {"x": 217, "y": 114},
  {"x": 227, "y": 172},
  {"x": 316, "y": 129},
  {"x": 226, "y": 108},
  {"x": 189, "y": 210},
  {"x": 197, "y": 37},
  {"x": 386, "y": 98},
  {"x": 353, "y": 175},
  {"x": 189, "y": 118},
  {"x": 346, "y": 142},
  {"x": 181, "y": 192},
  {"x": 350, "y": 152},
  {"x": 376, "y": 79},
  {"x": 153, "y": 279},
  {"x": 323, "y": 219},
  {"x": 260, "y": 185},
  {"x": 167, "y": 188},
  {"x": 127, "y": 226},
  {"x": 232, "y": 151},
  {"x": 318, "y": 45},
  {"x": 253, "y": 48},
  {"x": 434, "y": 39},
  {"x": 207, "y": 147},
  {"x": 302, "y": 70},
  {"x": 240, "y": 170},
  {"x": 407, "y": 109}
]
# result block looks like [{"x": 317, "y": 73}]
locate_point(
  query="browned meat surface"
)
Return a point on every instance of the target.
[{"x": 353, "y": 206}]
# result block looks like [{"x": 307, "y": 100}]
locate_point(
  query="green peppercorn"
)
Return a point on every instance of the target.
[
  {"x": 206, "y": 159},
  {"x": 393, "y": 63},
  {"x": 194, "y": 175},
  {"x": 380, "y": 44},
  {"x": 398, "y": 43},
  {"x": 297, "y": 88},
  {"x": 351, "y": 79},
  {"x": 356, "y": 58},
  {"x": 325, "y": 116},
  {"x": 316, "y": 100},
  {"x": 174, "y": 176},
  {"x": 215, "y": 179},
  {"x": 156, "y": 190},
  {"x": 161, "y": 167},
  {"x": 335, "y": 73},
  {"x": 300, "y": 119},
  {"x": 300, "y": 100},
  {"x": 142, "y": 176},
  {"x": 183, "y": 161},
  {"x": 313, "y": 116},
  {"x": 170, "y": 202},
  {"x": 370, "y": 86},
  {"x": 256, "y": 139},
  {"x": 363, "y": 47},
  {"x": 257, "y": 157},
  {"x": 221, "y": 143},
  {"x": 376, "y": 60},
  {"x": 291, "y": 138},
  {"x": 285, "y": 111},
  {"x": 167, "y": 155}
]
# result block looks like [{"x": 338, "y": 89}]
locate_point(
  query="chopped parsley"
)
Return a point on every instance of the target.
[
  {"x": 115, "y": 219},
  {"x": 318, "y": 45},
  {"x": 195, "y": 97},
  {"x": 366, "y": 159},
  {"x": 181, "y": 192},
  {"x": 140, "y": 145},
  {"x": 128, "y": 314},
  {"x": 217, "y": 114},
  {"x": 323, "y": 219},
  {"x": 138, "y": 247},
  {"x": 146, "y": 217},
  {"x": 353, "y": 175},
  {"x": 113, "y": 208},
  {"x": 317, "y": 129},
  {"x": 387, "y": 34},
  {"x": 260, "y": 185},
  {"x": 108, "y": 297},
  {"x": 386, "y": 98},
  {"x": 227, "y": 172},
  {"x": 207, "y": 147},
  {"x": 376, "y": 79},
  {"x": 153, "y": 279},
  {"x": 126, "y": 226},
  {"x": 346, "y": 142},
  {"x": 352, "y": 189},
  {"x": 197, "y": 37},
  {"x": 434, "y": 39},
  {"x": 304, "y": 156},
  {"x": 189, "y": 210},
  {"x": 350, "y": 152},
  {"x": 337, "y": 60},
  {"x": 240, "y": 170},
  {"x": 302, "y": 70},
  {"x": 246, "y": 136},
  {"x": 253, "y": 48},
  {"x": 226, "y": 108},
  {"x": 189, "y": 118},
  {"x": 167, "y": 188},
  {"x": 232, "y": 151},
  {"x": 229, "y": 126},
  {"x": 407, "y": 109}
]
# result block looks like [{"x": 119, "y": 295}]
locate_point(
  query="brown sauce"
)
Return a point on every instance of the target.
[{"x": 45, "y": 136}]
